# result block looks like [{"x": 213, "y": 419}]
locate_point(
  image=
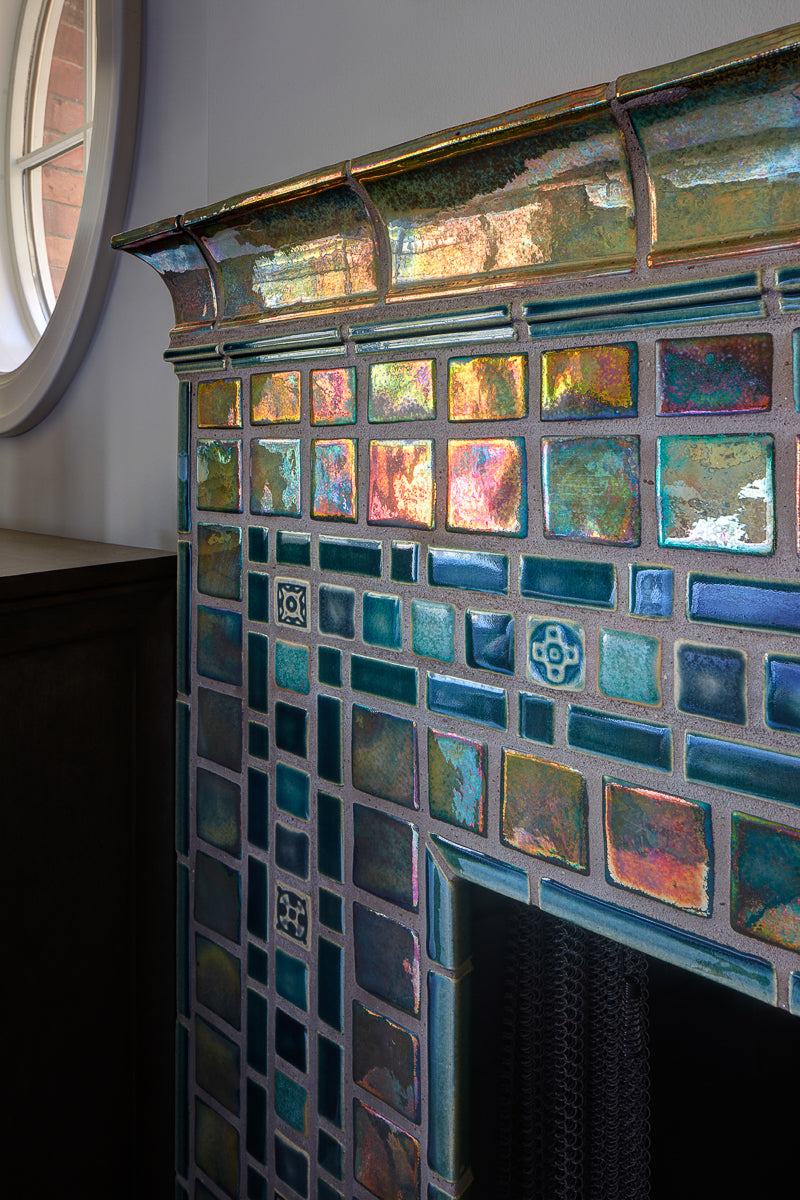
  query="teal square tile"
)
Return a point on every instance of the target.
[
  {"x": 292, "y": 788},
  {"x": 489, "y": 641},
  {"x": 629, "y": 666},
  {"x": 711, "y": 681},
  {"x": 291, "y": 1102},
  {"x": 291, "y": 979},
  {"x": 292, "y": 667},
  {"x": 556, "y": 653},
  {"x": 329, "y": 666},
  {"x": 650, "y": 591},
  {"x": 381, "y": 623},
  {"x": 433, "y": 630}
]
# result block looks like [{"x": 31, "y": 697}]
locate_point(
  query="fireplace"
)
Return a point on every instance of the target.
[{"x": 488, "y": 480}]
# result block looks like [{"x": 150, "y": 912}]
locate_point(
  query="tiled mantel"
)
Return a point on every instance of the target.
[{"x": 488, "y": 497}]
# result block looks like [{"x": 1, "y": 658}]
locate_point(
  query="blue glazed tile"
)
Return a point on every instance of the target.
[
  {"x": 218, "y": 980},
  {"x": 256, "y": 1138},
  {"x": 386, "y": 1061},
  {"x": 257, "y": 964},
  {"x": 330, "y": 846},
  {"x": 330, "y": 1078},
  {"x": 629, "y": 666},
  {"x": 181, "y": 1100},
  {"x": 711, "y": 681},
  {"x": 257, "y": 898},
  {"x": 620, "y": 738},
  {"x": 470, "y": 701},
  {"x": 219, "y": 728},
  {"x": 385, "y": 857},
  {"x": 337, "y": 609},
  {"x": 448, "y": 916},
  {"x": 183, "y": 724},
  {"x": 257, "y": 671},
  {"x": 753, "y": 770},
  {"x": 293, "y": 915},
  {"x": 217, "y": 896},
  {"x": 219, "y": 561},
  {"x": 218, "y": 811},
  {"x": 329, "y": 738},
  {"x": 292, "y": 790},
  {"x": 184, "y": 525},
  {"x": 386, "y": 959},
  {"x": 384, "y": 756},
  {"x": 219, "y": 644},
  {"x": 468, "y": 570},
  {"x": 556, "y": 653},
  {"x": 291, "y": 729},
  {"x": 257, "y": 740},
  {"x": 291, "y": 851},
  {"x": 765, "y": 881},
  {"x": 291, "y": 979},
  {"x": 258, "y": 544},
  {"x": 331, "y": 910},
  {"x": 650, "y": 591},
  {"x": 448, "y": 1074},
  {"x": 291, "y": 1165},
  {"x": 381, "y": 622},
  {"x": 743, "y": 972},
  {"x": 184, "y": 619},
  {"x": 489, "y": 641},
  {"x": 216, "y": 1148},
  {"x": 330, "y": 1154},
  {"x": 568, "y": 581},
  {"x": 330, "y": 983},
  {"x": 485, "y": 871},
  {"x": 351, "y": 556},
  {"x": 293, "y": 549},
  {"x": 258, "y": 808},
  {"x": 782, "y": 693},
  {"x": 291, "y": 1040},
  {"x": 257, "y": 596},
  {"x": 292, "y": 671},
  {"x": 329, "y": 666},
  {"x": 390, "y": 680},
  {"x": 216, "y": 1064},
  {"x": 405, "y": 562},
  {"x": 291, "y": 1102},
  {"x": 536, "y": 718},
  {"x": 433, "y": 630},
  {"x": 752, "y": 603},
  {"x": 182, "y": 956}
]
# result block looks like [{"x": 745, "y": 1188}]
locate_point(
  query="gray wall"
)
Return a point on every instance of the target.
[{"x": 242, "y": 93}]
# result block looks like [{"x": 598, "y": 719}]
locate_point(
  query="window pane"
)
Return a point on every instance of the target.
[
  {"x": 56, "y": 193},
  {"x": 64, "y": 106}
]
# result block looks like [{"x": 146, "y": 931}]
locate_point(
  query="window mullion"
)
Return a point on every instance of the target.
[{"x": 35, "y": 158}]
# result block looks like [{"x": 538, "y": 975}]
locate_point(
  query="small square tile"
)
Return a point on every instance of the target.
[
  {"x": 219, "y": 728},
  {"x": 386, "y": 959},
  {"x": 275, "y": 478},
  {"x": 536, "y": 718},
  {"x": 629, "y": 666},
  {"x": 218, "y": 812},
  {"x": 381, "y": 624},
  {"x": 292, "y": 606},
  {"x": 487, "y": 489},
  {"x": 329, "y": 666},
  {"x": 401, "y": 484},
  {"x": 659, "y": 846},
  {"x": 337, "y": 611},
  {"x": 386, "y": 1061},
  {"x": 433, "y": 630},
  {"x": 727, "y": 374},
  {"x": 292, "y": 790},
  {"x": 488, "y": 388},
  {"x": 257, "y": 964},
  {"x": 275, "y": 398},
  {"x": 219, "y": 644},
  {"x": 258, "y": 596},
  {"x": 544, "y": 810},
  {"x": 334, "y": 474},
  {"x": 219, "y": 404},
  {"x": 650, "y": 591},
  {"x": 258, "y": 544},
  {"x": 330, "y": 1154},
  {"x": 291, "y": 1102},
  {"x": 292, "y": 667},
  {"x": 765, "y": 881},
  {"x": 291, "y": 729},
  {"x": 219, "y": 476},
  {"x": 589, "y": 382},
  {"x": 292, "y": 548},
  {"x": 219, "y": 561},
  {"x": 385, "y": 1157},
  {"x": 711, "y": 681},
  {"x": 293, "y": 915},
  {"x": 384, "y": 756},
  {"x": 218, "y": 980},
  {"x": 405, "y": 562},
  {"x": 590, "y": 489},
  {"x": 329, "y": 1080},
  {"x": 402, "y": 391},
  {"x": 457, "y": 781},
  {"x": 489, "y": 641},
  {"x": 385, "y": 857},
  {"x": 782, "y": 693},
  {"x": 291, "y": 851},
  {"x": 556, "y": 653},
  {"x": 716, "y": 492},
  {"x": 333, "y": 396},
  {"x": 291, "y": 979}
]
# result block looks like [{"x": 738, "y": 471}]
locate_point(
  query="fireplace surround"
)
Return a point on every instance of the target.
[{"x": 488, "y": 486}]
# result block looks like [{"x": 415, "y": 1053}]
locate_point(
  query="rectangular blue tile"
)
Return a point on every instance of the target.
[
  {"x": 568, "y": 581},
  {"x": 293, "y": 549},
  {"x": 468, "y": 570},
  {"x": 257, "y": 668},
  {"x": 620, "y": 738},
  {"x": 754, "y": 770},
  {"x": 376, "y": 677},
  {"x": 329, "y": 738},
  {"x": 752, "y": 603},
  {"x": 448, "y": 1074},
  {"x": 351, "y": 556},
  {"x": 257, "y": 1031},
  {"x": 467, "y": 700}
]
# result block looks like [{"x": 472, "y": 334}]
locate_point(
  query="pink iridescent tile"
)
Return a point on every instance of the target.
[
  {"x": 275, "y": 398},
  {"x": 487, "y": 486},
  {"x": 401, "y": 484},
  {"x": 334, "y": 471},
  {"x": 333, "y": 396}
]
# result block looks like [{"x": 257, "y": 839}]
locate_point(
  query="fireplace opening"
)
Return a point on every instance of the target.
[{"x": 598, "y": 1073}]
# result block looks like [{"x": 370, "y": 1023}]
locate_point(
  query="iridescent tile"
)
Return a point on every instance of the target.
[
  {"x": 658, "y": 845},
  {"x": 401, "y": 484},
  {"x": 490, "y": 388},
  {"x": 219, "y": 644},
  {"x": 716, "y": 493},
  {"x": 590, "y": 489},
  {"x": 292, "y": 667},
  {"x": 385, "y": 1157},
  {"x": 457, "y": 780},
  {"x": 218, "y": 812},
  {"x": 487, "y": 489},
  {"x": 275, "y": 478},
  {"x": 402, "y": 391},
  {"x": 219, "y": 728},
  {"x": 334, "y": 468},
  {"x": 714, "y": 374},
  {"x": 489, "y": 641},
  {"x": 218, "y": 980},
  {"x": 386, "y": 959},
  {"x": 217, "y": 1064},
  {"x": 216, "y": 1148},
  {"x": 782, "y": 693},
  {"x": 219, "y": 476},
  {"x": 275, "y": 398},
  {"x": 333, "y": 396},
  {"x": 448, "y": 915},
  {"x": 384, "y": 756},
  {"x": 590, "y": 382},
  {"x": 382, "y": 621},
  {"x": 405, "y": 562},
  {"x": 556, "y": 653},
  {"x": 765, "y": 881},
  {"x": 219, "y": 561},
  {"x": 386, "y": 1061},
  {"x": 219, "y": 404},
  {"x": 629, "y": 666},
  {"x": 433, "y": 630},
  {"x": 650, "y": 591},
  {"x": 544, "y": 810},
  {"x": 711, "y": 681},
  {"x": 385, "y": 857},
  {"x": 291, "y": 1102}
]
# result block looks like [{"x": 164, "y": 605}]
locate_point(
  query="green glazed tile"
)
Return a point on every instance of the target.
[
  {"x": 386, "y": 959},
  {"x": 258, "y": 544},
  {"x": 291, "y": 1102},
  {"x": 291, "y": 1165},
  {"x": 590, "y": 489},
  {"x": 292, "y": 790},
  {"x": 292, "y": 851},
  {"x": 219, "y": 812},
  {"x": 330, "y": 1154},
  {"x": 292, "y": 549},
  {"x": 257, "y": 740},
  {"x": 378, "y": 1142},
  {"x": 257, "y": 596},
  {"x": 219, "y": 728},
  {"x": 385, "y": 857},
  {"x": 590, "y": 382},
  {"x": 483, "y": 870},
  {"x": 402, "y": 391},
  {"x": 182, "y": 953},
  {"x": 433, "y": 630},
  {"x": 392, "y": 681},
  {"x": 292, "y": 667},
  {"x": 275, "y": 477},
  {"x": 329, "y": 666},
  {"x": 536, "y": 718},
  {"x": 291, "y": 979},
  {"x": 381, "y": 622},
  {"x": 258, "y": 808},
  {"x": 217, "y": 896},
  {"x": 468, "y": 571},
  {"x": 544, "y": 810},
  {"x": 329, "y": 738},
  {"x": 351, "y": 556},
  {"x": 650, "y": 591},
  {"x": 782, "y": 693},
  {"x": 716, "y": 492},
  {"x": 386, "y": 1061},
  {"x": 384, "y": 756},
  {"x": 257, "y": 1035},
  {"x": 218, "y": 980},
  {"x": 217, "y": 1065},
  {"x": 330, "y": 847},
  {"x": 330, "y": 983},
  {"x": 714, "y": 374},
  {"x": 183, "y": 630},
  {"x": 256, "y": 1138},
  {"x": 219, "y": 644},
  {"x": 329, "y": 1080},
  {"x": 219, "y": 476},
  {"x": 568, "y": 581},
  {"x": 336, "y": 611},
  {"x": 291, "y": 729},
  {"x": 620, "y": 738},
  {"x": 219, "y": 404},
  {"x": 467, "y": 700},
  {"x": 448, "y": 916},
  {"x": 457, "y": 781},
  {"x": 765, "y": 870},
  {"x": 754, "y": 770},
  {"x": 405, "y": 562},
  {"x": 219, "y": 561},
  {"x": 711, "y": 681},
  {"x": 216, "y": 1148},
  {"x": 331, "y": 910},
  {"x": 629, "y": 666},
  {"x": 257, "y": 671}
]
